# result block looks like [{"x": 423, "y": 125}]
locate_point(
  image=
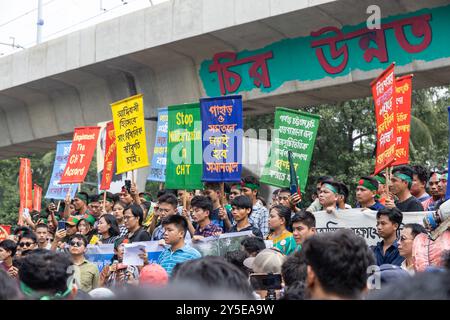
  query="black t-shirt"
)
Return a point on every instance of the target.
[
  {"x": 256, "y": 232},
  {"x": 409, "y": 205},
  {"x": 140, "y": 235}
]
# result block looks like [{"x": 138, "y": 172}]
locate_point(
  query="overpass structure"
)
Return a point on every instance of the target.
[{"x": 273, "y": 52}]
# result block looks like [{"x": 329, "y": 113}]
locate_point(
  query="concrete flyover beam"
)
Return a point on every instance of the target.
[{"x": 164, "y": 52}]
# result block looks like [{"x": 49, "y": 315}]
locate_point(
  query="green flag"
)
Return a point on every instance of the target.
[
  {"x": 294, "y": 131},
  {"x": 184, "y": 147}
]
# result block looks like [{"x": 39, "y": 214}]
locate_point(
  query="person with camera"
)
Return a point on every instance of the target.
[
  {"x": 266, "y": 269},
  {"x": 118, "y": 273}
]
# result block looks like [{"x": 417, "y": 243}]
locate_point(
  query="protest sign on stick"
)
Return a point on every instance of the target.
[
  {"x": 81, "y": 152},
  {"x": 294, "y": 131},
  {"x": 129, "y": 127},
  {"x": 184, "y": 148},
  {"x": 383, "y": 91},
  {"x": 159, "y": 160}
]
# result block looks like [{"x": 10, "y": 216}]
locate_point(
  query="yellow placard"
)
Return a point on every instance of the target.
[{"x": 129, "y": 127}]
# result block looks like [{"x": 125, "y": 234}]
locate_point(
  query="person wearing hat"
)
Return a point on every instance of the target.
[
  {"x": 266, "y": 261},
  {"x": 154, "y": 275},
  {"x": 63, "y": 235},
  {"x": 402, "y": 179},
  {"x": 366, "y": 192},
  {"x": 85, "y": 226}
]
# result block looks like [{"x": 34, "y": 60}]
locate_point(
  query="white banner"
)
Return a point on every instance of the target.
[{"x": 362, "y": 222}]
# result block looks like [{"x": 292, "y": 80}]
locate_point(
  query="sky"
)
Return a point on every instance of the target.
[{"x": 18, "y": 18}]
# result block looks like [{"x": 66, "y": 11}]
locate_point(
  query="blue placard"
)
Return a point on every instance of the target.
[
  {"x": 158, "y": 169},
  {"x": 222, "y": 138},
  {"x": 55, "y": 190}
]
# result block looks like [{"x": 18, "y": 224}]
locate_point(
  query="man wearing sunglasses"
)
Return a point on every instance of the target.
[
  {"x": 86, "y": 273},
  {"x": 27, "y": 242}
]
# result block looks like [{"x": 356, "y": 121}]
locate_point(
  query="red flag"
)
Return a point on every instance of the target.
[
  {"x": 403, "y": 89},
  {"x": 383, "y": 91},
  {"x": 25, "y": 190},
  {"x": 80, "y": 156},
  {"x": 110, "y": 156},
  {"x": 5, "y": 231},
  {"x": 37, "y": 197}
]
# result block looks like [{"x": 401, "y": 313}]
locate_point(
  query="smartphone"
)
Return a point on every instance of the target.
[
  {"x": 61, "y": 225},
  {"x": 128, "y": 185},
  {"x": 266, "y": 281}
]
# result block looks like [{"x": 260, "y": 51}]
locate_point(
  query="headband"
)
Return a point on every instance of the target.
[
  {"x": 26, "y": 290},
  {"x": 403, "y": 177},
  {"x": 107, "y": 198},
  {"x": 367, "y": 184},
  {"x": 380, "y": 179},
  {"x": 249, "y": 185},
  {"x": 330, "y": 187},
  {"x": 82, "y": 196}
]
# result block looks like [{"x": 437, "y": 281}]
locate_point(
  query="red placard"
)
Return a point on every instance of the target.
[
  {"x": 403, "y": 89},
  {"x": 5, "y": 231},
  {"x": 37, "y": 197},
  {"x": 110, "y": 157},
  {"x": 80, "y": 156},
  {"x": 383, "y": 91},
  {"x": 25, "y": 191}
]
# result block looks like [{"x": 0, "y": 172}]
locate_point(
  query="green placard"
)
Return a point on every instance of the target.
[
  {"x": 294, "y": 131},
  {"x": 184, "y": 147}
]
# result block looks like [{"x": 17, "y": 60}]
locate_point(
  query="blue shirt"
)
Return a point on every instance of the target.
[
  {"x": 392, "y": 255},
  {"x": 377, "y": 206},
  {"x": 169, "y": 259}
]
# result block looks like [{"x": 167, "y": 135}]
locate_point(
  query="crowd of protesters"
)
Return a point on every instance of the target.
[{"x": 45, "y": 258}]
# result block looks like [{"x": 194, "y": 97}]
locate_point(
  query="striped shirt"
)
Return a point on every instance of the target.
[
  {"x": 259, "y": 218},
  {"x": 208, "y": 231},
  {"x": 123, "y": 230},
  {"x": 169, "y": 259}
]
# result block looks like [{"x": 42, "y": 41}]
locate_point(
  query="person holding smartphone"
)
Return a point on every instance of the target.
[{"x": 118, "y": 273}]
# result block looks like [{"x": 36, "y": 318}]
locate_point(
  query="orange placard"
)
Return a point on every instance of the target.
[
  {"x": 383, "y": 91},
  {"x": 25, "y": 191},
  {"x": 80, "y": 156},
  {"x": 110, "y": 157},
  {"x": 403, "y": 89}
]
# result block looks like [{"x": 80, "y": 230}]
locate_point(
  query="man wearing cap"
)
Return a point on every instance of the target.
[
  {"x": 260, "y": 215},
  {"x": 366, "y": 194},
  {"x": 402, "y": 179},
  {"x": 430, "y": 204},
  {"x": 329, "y": 196},
  {"x": 63, "y": 235}
]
